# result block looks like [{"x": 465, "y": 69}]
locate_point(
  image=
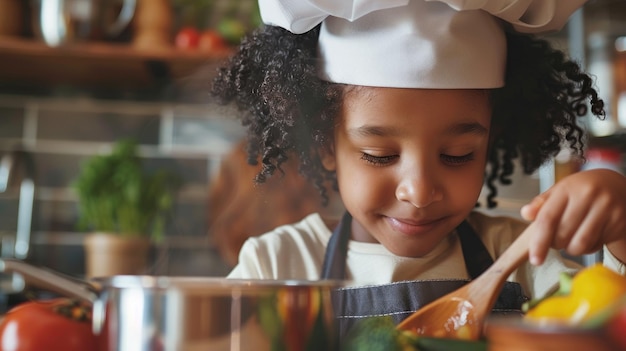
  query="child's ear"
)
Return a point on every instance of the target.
[{"x": 327, "y": 156}]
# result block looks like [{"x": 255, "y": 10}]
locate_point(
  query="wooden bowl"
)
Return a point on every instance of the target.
[{"x": 505, "y": 333}]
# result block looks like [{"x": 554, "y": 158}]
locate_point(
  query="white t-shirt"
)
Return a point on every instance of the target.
[{"x": 296, "y": 252}]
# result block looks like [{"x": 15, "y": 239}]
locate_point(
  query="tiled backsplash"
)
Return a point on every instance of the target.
[{"x": 60, "y": 133}]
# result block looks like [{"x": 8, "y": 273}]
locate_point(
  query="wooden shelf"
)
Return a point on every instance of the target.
[{"x": 27, "y": 62}]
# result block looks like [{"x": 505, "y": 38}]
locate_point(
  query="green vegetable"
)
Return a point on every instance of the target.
[
  {"x": 117, "y": 196},
  {"x": 271, "y": 322},
  {"x": 440, "y": 344},
  {"x": 381, "y": 334},
  {"x": 562, "y": 289},
  {"x": 318, "y": 335},
  {"x": 378, "y": 334}
]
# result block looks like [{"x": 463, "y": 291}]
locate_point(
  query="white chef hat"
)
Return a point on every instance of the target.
[{"x": 416, "y": 43}]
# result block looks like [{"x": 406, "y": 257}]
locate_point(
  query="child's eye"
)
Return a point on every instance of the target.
[
  {"x": 378, "y": 160},
  {"x": 457, "y": 160}
]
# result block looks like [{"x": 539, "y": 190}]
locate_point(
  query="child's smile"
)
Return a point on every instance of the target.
[
  {"x": 411, "y": 227},
  {"x": 410, "y": 163}
]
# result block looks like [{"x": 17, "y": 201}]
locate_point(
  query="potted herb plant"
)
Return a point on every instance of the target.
[{"x": 124, "y": 208}]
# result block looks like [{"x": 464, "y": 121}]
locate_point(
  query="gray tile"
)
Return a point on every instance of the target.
[
  {"x": 96, "y": 126},
  {"x": 11, "y": 122}
]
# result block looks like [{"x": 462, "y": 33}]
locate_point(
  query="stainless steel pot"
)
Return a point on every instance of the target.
[
  {"x": 139, "y": 313},
  {"x": 59, "y": 22}
]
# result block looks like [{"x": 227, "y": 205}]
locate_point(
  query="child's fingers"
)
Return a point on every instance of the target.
[
  {"x": 588, "y": 236},
  {"x": 547, "y": 221},
  {"x": 530, "y": 210},
  {"x": 578, "y": 214},
  {"x": 559, "y": 214},
  {"x": 585, "y": 242},
  {"x": 578, "y": 225},
  {"x": 540, "y": 242}
]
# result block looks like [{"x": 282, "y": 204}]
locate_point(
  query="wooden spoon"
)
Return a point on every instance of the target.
[{"x": 461, "y": 313}]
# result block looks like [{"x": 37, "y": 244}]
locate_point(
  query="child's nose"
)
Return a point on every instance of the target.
[{"x": 420, "y": 190}]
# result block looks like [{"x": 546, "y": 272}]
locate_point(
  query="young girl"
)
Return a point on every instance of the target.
[{"x": 407, "y": 108}]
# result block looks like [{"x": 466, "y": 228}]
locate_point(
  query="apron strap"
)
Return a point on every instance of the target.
[
  {"x": 334, "y": 266},
  {"x": 476, "y": 255}
]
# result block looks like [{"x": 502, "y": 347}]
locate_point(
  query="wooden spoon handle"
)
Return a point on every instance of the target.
[
  {"x": 515, "y": 254},
  {"x": 492, "y": 280}
]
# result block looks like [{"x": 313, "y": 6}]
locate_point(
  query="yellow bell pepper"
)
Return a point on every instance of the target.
[{"x": 593, "y": 289}]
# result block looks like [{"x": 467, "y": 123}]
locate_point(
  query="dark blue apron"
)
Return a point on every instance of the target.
[{"x": 400, "y": 299}]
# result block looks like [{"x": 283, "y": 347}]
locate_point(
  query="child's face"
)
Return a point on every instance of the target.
[{"x": 410, "y": 163}]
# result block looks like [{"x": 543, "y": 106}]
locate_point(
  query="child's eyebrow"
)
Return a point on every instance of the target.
[
  {"x": 457, "y": 129},
  {"x": 468, "y": 128},
  {"x": 371, "y": 130}
]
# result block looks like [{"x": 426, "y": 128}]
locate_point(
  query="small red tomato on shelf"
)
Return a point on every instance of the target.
[
  {"x": 54, "y": 325},
  {"x": 211, "y": 41},
  {"x": 187, "y": 38}
]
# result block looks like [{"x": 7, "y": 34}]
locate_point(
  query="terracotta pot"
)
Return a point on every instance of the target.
[{"x": 109, "y": 254}]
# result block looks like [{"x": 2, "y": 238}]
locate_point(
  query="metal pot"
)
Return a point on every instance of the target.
[
  {"x": 139, "y": 313},
  {"x": 58, "y": 22}
]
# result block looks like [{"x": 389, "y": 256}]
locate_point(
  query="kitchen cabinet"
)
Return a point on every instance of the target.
[{"x": 27, "y": 63}]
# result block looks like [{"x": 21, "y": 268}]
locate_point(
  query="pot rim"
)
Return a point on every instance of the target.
[{"x": 213, "y": 283}]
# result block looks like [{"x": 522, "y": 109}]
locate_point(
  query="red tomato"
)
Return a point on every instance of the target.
[
  {"x": 53, "y": 325},
  {"x": 616, "y": 328},
  {"x": 187, "y": 38},
  {"x": 211, "y": 41}
]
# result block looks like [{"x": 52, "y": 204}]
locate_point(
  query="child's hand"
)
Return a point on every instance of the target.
[{"x": 580, "y": 213}]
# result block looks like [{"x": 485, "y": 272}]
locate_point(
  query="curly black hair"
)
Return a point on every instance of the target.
[{"x": 289, "y": 111}]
